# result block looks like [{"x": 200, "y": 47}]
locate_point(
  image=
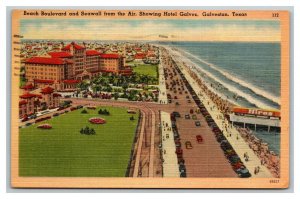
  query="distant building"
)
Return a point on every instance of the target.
[{"x": 30, "y": 103}]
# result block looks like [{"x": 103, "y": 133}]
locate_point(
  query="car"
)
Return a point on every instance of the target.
[
  {"x": 182, "y": 168},
  {"x": 169, "y": 101},
  {"x": 194, "y": 117},
  {"x": 189, "y": 101},
  {"x": 191, "y": 111},
  {"x": 177, "y": 143},
  {"x": 175, "y": 97},
  {"x": 187, "y": 97},
  {"x": 32, "y": 116},
  {"x": 60, "y": 108},
  {"x": 66, "y": 111},
  {"x": 179, "y": 152},
  {"x": 177, "y": 103},
  {"x": 73, "y": 108},
  {"x": 243, "y": 173},
  {"x": 188, "y": 145},
  {"x": 28, "y": 124},
  {"x": 199, "y": 139},
  {"x": 176, "y": 114},
  {"x": 55, "y": 114},
  {"x": 25, "y": 119},
  {"x": 187, "y": 116},
  {"x": 79, "y": 106},
  {"x": 197, "y": 123}
]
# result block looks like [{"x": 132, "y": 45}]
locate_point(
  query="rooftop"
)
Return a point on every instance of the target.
[
  {"x": 47, "y": 90},
  {"x": 61, "y": 54},
  {"x": 110, "y": 56},
  {"x": 45, "y": 60},
  {"x": 92, "y": 52},
  {"x": 76, "y": 46}
]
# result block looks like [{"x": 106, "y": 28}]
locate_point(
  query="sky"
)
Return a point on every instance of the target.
[{"x": 141, "y": 29}]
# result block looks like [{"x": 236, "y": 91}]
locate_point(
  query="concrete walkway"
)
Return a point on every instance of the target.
[
  {"x": 239, "y": 145},
  {"x": 170, "y": 166},
  {"x": 162, "y": 98}
]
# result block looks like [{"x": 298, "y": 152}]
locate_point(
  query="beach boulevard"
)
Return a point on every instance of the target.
[{"x": 240, "y": 146}]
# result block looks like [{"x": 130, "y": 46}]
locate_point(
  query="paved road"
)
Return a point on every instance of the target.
[{"x": 203, "y": 160}]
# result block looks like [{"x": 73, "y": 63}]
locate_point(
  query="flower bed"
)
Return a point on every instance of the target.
[
  {"x": 97, "y": 120},
  {"x": 44, "y": 126}
]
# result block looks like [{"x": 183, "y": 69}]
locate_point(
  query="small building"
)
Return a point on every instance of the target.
[{"x": 244, "y": 116}]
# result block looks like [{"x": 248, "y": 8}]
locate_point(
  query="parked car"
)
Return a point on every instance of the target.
[
  {"x": 243, "y": 173},
  {"x": 189, "y": 101},
  {"x": 28, "y": 124},
  {"x": 177, "y": 143},
  {"x": 33, "y": 116},
  {"x": 182, "y": 168},
  {"x": 197, "y": 123},
  {"x": 187, "y": 116},
  {"x": 73, "y": 108},
  {"x": 176, "y": 114},
  {"x": 55, "y": 114},
  {"x": 194, "y": 117},
  {"x": 199, "y": 139},
  {"x": 25, "y": 119},
  {"x": 179, "y": 152},
  {"x": 188, "y": 145},
  {"x": 79, "y": 106}
]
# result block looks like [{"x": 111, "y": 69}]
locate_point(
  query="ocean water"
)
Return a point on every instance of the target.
[
  {"x": 249, "y": 71},
  {"x": 246, "y": 73}
]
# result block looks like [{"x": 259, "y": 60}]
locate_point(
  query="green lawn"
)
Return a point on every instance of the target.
[
  {"x": 63, "y": 151},
  {"x": 146, "y": 69}
]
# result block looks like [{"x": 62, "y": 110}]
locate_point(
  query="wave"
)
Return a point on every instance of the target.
[
  {"x": 233, "y": 89},
  {"x": 243, "y": 83}
]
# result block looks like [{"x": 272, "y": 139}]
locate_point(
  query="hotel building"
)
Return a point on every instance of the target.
[{"x": 64, "y": 69}]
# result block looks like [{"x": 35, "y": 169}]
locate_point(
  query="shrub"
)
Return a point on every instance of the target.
[
  {"x": 87, "y": 131},
  {"x": 84, "y": 111}
]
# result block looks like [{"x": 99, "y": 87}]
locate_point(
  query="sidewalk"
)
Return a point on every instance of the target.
[
  {"x": 170, "y": 166},
  {"x": 239, "y": 145},
  {"x": 162, "y": 98}
]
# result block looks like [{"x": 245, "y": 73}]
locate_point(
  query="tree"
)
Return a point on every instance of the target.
[{"x": 116, "y": 96}]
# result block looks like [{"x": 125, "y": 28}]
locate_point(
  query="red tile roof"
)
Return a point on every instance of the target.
[
  {"x": 110, "y": 56},
  {"x": 61, "y": 54},
  {"x": 27, "y": 87},
  {"x": 139, "y": 56},
  {"x": 22, "y": 102},
  {"x": 45, "y": 60},
  {"x": 76, "y": 46},
  {"x": 43, "y": 81},
  {"x": 71, "y": 81},
  {"x": 47, "y": 90},
  {"x": 27, "y": 95},
  {"x": 92, "y": 52}
]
